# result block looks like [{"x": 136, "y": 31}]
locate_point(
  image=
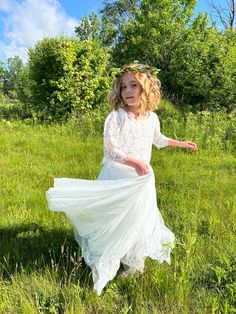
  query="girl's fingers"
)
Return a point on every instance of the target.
[{"x": 191, "y": 145}]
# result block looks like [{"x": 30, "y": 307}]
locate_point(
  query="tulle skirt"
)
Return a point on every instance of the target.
[{"x": 115, "y": 218}]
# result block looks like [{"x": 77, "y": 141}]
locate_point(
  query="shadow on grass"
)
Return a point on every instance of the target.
[{"x": 35, "y": 248}]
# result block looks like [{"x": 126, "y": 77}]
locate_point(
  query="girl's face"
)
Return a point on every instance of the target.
[{"x": 131, "y": 90}]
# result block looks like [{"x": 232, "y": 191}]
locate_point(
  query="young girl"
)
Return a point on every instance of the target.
[{"x": 116, "y": 218}]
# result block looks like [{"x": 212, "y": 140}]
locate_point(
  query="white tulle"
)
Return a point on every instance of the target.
[{"x": 115, "y": 218}]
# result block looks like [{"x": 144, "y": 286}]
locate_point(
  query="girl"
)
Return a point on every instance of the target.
[{"x": 116, "y": 218}]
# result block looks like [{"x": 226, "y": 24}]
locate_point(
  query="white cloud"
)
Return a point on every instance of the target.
[
  {"x": 11, "y": 50},
  {"x": 27, "y": 21}
]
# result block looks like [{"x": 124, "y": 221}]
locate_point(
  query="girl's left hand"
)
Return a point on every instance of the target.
[{"x": 188, "y": 144}]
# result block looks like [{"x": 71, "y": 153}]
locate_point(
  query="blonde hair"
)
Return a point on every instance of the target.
[{"x": 150, "y": 94}]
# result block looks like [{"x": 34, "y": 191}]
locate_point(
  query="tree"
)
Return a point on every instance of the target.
[
  {"x": 115, "y": 16},
  {"x": 189, "y": 53},
  {"x": 89, "y": 28},
  {"x": 205, "y": 76},
  {"x": 151, "y": 33},
  {"x": 68, "y": 76},
  {"x": 226, "y": 14},
  {"x": 146, "y": 23},
  {"x": 16, "y": 83},
  {"x": 2, "y": 71},
  {"x": 13, "y": 76}
]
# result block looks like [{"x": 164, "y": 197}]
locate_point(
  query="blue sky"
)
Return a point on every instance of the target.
[{"x": 24, "y": 22}]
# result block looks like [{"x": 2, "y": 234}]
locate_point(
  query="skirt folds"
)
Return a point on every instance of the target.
[{"x": 115, "y": 218}]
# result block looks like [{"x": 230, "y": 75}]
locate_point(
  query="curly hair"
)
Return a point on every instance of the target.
[{"x": 150, "y": 85}]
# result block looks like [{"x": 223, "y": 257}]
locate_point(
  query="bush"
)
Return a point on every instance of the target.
[
  {"x": 210, "y": 130},
  {"x": 13, "y": 109},
  {"x": 67, "y": 77},
  {"x": 92, "y": 122}
]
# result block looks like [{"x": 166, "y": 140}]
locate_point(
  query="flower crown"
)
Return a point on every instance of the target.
[{"x": 139, "y": 68}]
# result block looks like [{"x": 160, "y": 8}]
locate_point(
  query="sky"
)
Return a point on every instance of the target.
[{"x": 24, "y": 22}]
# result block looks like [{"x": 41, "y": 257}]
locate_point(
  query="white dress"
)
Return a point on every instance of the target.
[{"x": 116, "y": 218}]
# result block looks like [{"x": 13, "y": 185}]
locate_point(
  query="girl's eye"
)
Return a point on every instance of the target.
[
  {"x": 133, "y": 85},
  {"x": 123, "y": 87}
]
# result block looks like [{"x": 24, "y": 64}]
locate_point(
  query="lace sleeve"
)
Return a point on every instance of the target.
[
  {"x": 159, "y": 140},
  {"x": 112, "y": 150}
]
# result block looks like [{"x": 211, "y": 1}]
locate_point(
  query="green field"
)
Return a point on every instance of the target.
[{"x": 41, "y": 270}]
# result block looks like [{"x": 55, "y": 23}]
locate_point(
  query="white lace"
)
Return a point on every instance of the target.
[{"x": 125, "y": 136}]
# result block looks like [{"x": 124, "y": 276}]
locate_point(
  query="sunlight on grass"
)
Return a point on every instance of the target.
[{"x": 40, "y": 265}]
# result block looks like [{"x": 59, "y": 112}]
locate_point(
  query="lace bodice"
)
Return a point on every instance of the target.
[{"x": 125, "y": 136}]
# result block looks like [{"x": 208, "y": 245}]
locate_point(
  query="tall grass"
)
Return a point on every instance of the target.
[
  {"x": 213, "y": 131},
  {"x": 41, "y": 269}
]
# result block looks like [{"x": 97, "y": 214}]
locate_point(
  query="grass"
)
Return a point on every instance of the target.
[{"x": 41, "y": 270}]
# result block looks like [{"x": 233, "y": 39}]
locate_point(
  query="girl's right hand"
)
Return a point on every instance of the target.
[{"x": 141, "y": 168}]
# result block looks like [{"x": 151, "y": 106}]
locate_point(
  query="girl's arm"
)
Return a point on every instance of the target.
[
  {"x": 183, "y": 144},
  {"x": 160, "y": 140},
  {"x": 112, "y": 150}
]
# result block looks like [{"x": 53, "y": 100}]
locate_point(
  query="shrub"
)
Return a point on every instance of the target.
[{"x": 67, "y": 77}]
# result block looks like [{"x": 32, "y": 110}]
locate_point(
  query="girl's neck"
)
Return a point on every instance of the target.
[
  {"x": 136, "y": 113},
  {"x": 132, "y": 109}
]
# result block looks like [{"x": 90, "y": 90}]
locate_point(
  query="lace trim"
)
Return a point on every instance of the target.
[
  {"x": 125, "y": 136},
  {"x": 111, "y": 147}
]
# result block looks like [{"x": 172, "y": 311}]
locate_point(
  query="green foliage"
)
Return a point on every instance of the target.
[
  {"x": 50, "y": 66},
  {"x": 14, "y": 110},
  {"x": 16, "y": 83},
  {"x": 149, "y": 29},
  {"x": 115, "y": 15},
  {"x": 2, "y": 70},
  {"x": 210, "y": 130},
  {"x": 167, "y": 109},
  {"x": 205, "y": 66},
  {"x": 89, "y": 28},
  {"x": 197, "y": 62},
  {"x": 93, "y": 77},
  {"x": 11, "y": 77},
  {"x": 91, "y": 123},
  {"x": 220, "y": 277},
  {"x": 68, "y": 77}
]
